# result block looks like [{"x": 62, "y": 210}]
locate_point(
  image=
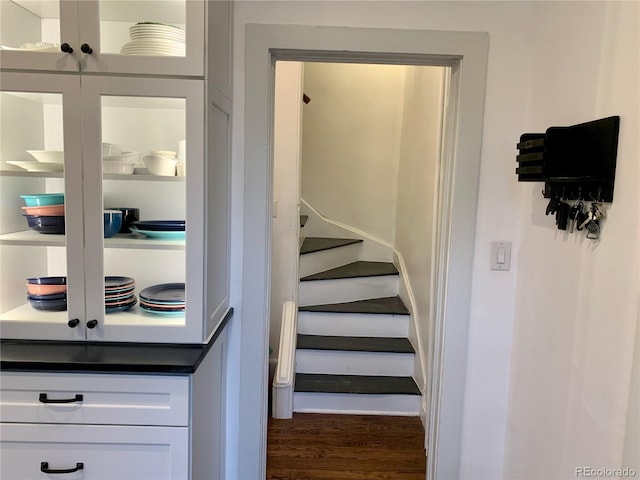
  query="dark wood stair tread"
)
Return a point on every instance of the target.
[
  {"x": 359, "y": 384},
  {"x": 318, "y": 244},
  {"x": 355, "y": 270},
  {"x": 303, "y": 220},
  {"x": 355, "y": 344},
  {"x": 384, "y": 306}
]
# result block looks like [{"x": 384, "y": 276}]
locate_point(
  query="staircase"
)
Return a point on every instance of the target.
[{"x": 352, "y": 354}]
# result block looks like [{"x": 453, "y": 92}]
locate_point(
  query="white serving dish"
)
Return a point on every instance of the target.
[
  {"x": 35, "y": 166},
  {"x": 121, "y": 168},
  {"x": 47, "y": 156}
]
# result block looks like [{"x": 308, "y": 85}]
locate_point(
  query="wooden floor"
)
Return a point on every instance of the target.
[{"x": 339, "y": 447}]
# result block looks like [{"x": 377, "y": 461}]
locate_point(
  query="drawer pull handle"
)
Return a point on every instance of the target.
[
  {"x": 66, "y": 48},
  {"x": 44, "y": 467},
  {"x": 86, "y": 48},
  {"x": 43, "y": 398}
]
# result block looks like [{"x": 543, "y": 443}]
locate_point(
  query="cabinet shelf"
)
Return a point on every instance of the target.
[
  {"x": 106, "y": 176},
  {"x": 133, "y": 317},
  {"x": 31, "y": 238}
]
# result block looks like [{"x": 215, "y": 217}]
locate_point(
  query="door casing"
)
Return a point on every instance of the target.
[{"x": 466, "y": 53}]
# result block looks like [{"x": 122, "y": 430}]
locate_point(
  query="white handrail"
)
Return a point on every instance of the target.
[{"x": 283, "y": 380}]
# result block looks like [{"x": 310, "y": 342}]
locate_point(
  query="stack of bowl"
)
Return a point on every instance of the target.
[
  {"x": 119, "y": 294},
  {"x": 47, "y": 293},
  {"x": 45, "y": 212},
  {"x": 115, "y": 161}
]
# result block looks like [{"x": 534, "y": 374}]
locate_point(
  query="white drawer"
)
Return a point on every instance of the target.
[
  {"x": 102, "y": 399},
  {"x": 104, "y": 452}
]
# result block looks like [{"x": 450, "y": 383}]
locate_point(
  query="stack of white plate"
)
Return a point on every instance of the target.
[{"x": 155, "y": 39}]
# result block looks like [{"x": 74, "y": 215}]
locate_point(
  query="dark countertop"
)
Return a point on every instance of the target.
[{"x": 23, "y": 355}]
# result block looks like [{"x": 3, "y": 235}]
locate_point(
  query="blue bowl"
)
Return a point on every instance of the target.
[
  {"x": 47, "y": 280},
  {"x": 49, "y": 305},
  {"x": 46, "y": 223},
  {"x": 42, "y": 199},
  {"x": 112, "y": 222}
]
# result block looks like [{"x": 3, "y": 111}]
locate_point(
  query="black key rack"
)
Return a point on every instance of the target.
[{"x": 575, "y": 163}]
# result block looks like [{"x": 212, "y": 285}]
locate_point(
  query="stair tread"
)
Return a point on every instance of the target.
[
  {"x": 303, "y": 220},
  {"x": 384, "y": 305},
  {"x": 318, "y": 244},
  {"x": 355, "y": 270},
  {"x": 358, "y": 384},
  {"x": 355, "y": 344}
]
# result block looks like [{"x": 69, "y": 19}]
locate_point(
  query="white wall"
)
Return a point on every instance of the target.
[
  {"x": 581, "y": 69},
  {"x": 286, "y": 185},
  {"x": 350, "y": 143},
  {"x": 416, "y": 206},
  {"x": 576, "y": 305}
]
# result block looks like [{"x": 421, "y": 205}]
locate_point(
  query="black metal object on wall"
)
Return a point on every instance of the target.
[{"x": 575, "y": 163}]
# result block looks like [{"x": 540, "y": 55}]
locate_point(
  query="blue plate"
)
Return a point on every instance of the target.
[
  {"x": 115, "y": 282},
  {"x": 119, "y": 299},
  {"x": 120, "y": 308},
  {"x": 178, "y": 235},
  {"x": 163, "y": 312},
  {"x": 160, "y": 225},
  {"x": 164, "y": 292}
]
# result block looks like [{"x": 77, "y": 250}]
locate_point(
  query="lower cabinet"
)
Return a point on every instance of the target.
[
  {"x": 93, "y": 425},
  {"x": 88, "y": 452}
]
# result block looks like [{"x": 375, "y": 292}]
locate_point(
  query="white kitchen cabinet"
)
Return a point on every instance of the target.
[
  {"x": 106, "y": 426},
  {"x": 100, "y": 27},
  {"x": 139, "y": 114},
  {"x": 120, "y": 425}
]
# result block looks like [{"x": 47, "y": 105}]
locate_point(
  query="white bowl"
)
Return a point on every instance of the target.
[
  {"x": 162, "y": 166},
  {"x": 164, "y": 153},
  {"x": 122, "y": 168},
  {"x": 47, "y": 156}
]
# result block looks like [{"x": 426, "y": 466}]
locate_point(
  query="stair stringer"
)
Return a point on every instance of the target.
[{"x": 375, "y": 249}]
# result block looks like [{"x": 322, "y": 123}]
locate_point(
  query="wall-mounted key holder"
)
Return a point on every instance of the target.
[{"x": 575, "y": 163}]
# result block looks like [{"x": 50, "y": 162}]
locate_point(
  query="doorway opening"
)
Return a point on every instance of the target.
[
  {"x": 359, "y": 144},
  {"x": 457, "y": 194}
]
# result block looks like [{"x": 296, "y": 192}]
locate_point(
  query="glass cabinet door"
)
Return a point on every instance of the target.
[
  {"x": 32, "y": 33},
  {"x": 42, "y": 288},
  {"x": 143, "y": 36},
  {"x": 144, "y": 172}
]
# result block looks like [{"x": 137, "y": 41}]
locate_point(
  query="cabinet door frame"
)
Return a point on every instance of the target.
[
  {"x": 69, "y": 87},
  {"x": 192, "y": 64},
  {"x": 59, "y": 61},
  {"x": 93, "y": 87}
]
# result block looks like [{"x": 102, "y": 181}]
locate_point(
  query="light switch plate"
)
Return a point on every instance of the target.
[{"x": 500, "y": 255}]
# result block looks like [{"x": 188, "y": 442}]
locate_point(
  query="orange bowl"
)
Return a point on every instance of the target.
[
  {"x": 46, "y": 210},
  {"x": 35, "y": 289}
]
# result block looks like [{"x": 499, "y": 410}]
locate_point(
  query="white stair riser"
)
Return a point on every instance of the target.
[
  {"x": 317, "y": 262},
  {"x": 353, "y": 324},
  {"x": 359, "y": 404},
  {"x": 337, "y": 362},
  {"x": 317, "y": 292}
]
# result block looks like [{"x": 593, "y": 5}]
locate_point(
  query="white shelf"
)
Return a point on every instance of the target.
[
  {"x": 31, "y": 238},
  {"x": 106, "y": 176},
  {"x": 26, "y": 313},
  {"x": 132, "y": 317}
]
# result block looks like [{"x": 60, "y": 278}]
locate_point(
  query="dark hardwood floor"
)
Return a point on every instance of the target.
[{"x": 339, "y": 447}]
